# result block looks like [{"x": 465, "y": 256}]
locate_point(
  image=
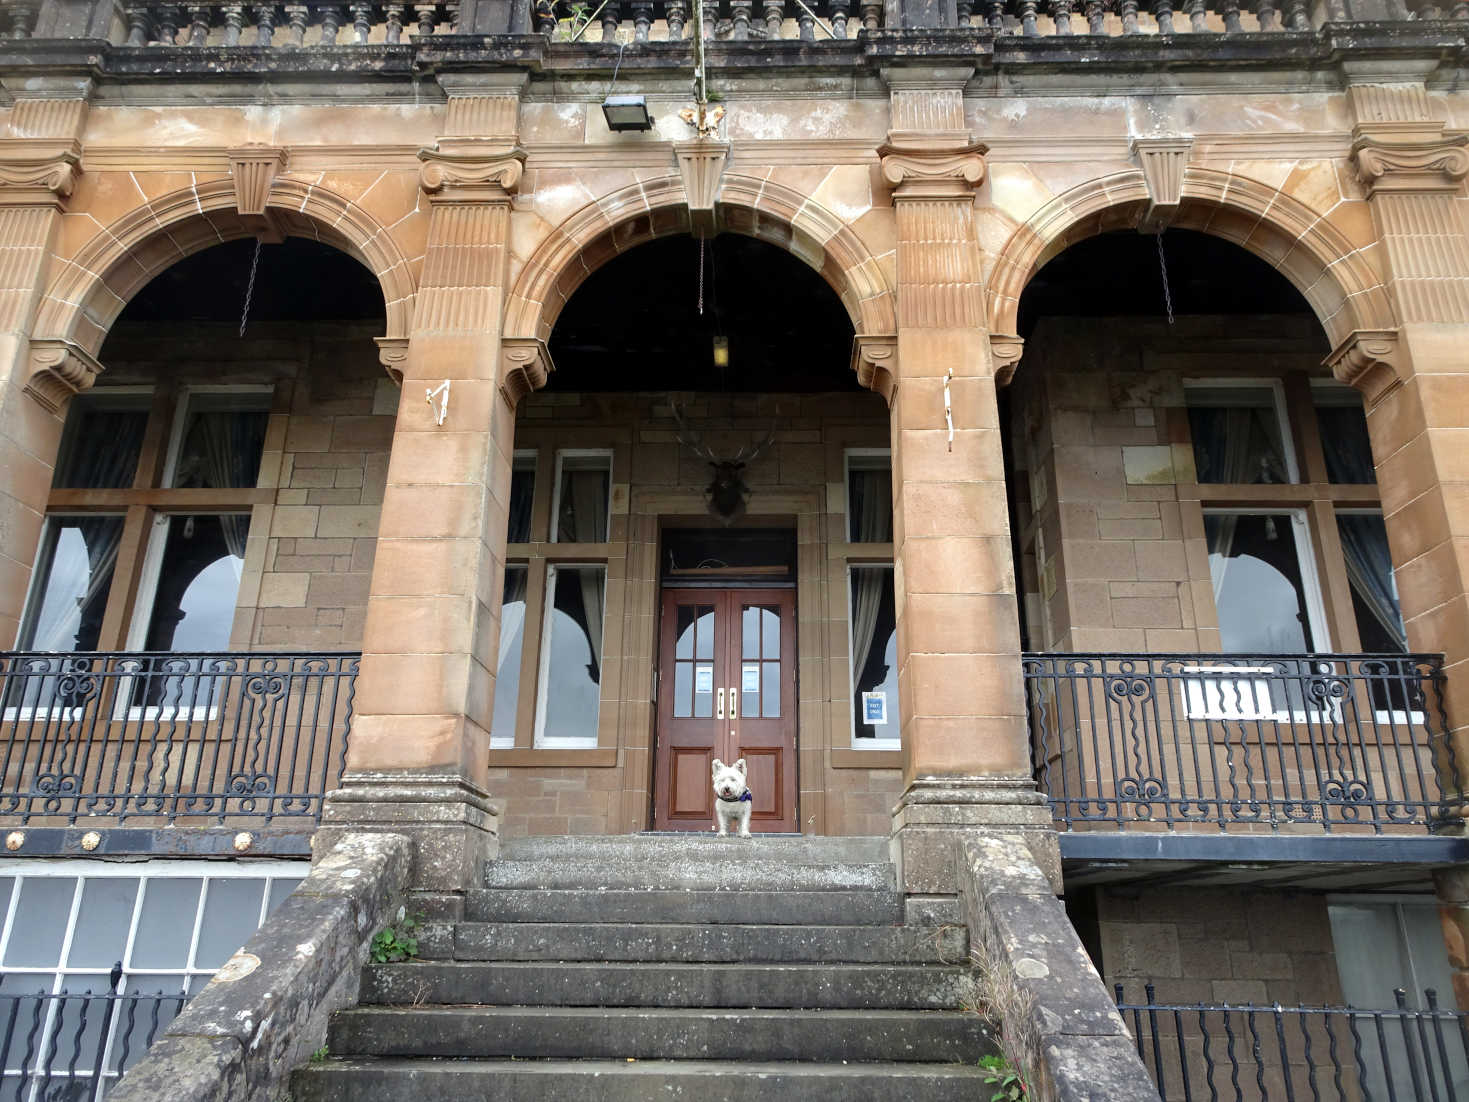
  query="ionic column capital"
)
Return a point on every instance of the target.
[
  {"x": 466, "y": 170},
  {"x": 60, "y": 370},
  {"x": 38, "y": 171},
  {"x": 1410, "y": 158},
  {"x": 920, "y": 164},
  {"x": 1372, "y": 360}
]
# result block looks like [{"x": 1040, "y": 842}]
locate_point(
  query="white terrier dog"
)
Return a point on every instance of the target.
[{"x": 731, "y": 797}]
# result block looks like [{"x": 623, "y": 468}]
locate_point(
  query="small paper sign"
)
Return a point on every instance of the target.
[
  {"x": 703, "y": 679},
  {"x": 875, "y": 708},
  {"x": 750, "y": 679}
]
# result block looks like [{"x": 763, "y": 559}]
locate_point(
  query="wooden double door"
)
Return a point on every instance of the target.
[{"x": 726, "y": 690}]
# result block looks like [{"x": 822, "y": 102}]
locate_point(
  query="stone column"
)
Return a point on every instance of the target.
[
  {"x": 417, "y": 760},
  {"x": 966, "y": 760},
  {"x": 1414, "y": 383},
  {"x": 40, "y": 158}
]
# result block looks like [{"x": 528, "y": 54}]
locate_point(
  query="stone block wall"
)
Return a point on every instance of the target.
[
  {"x": 1216, "y": 946},
  {"x": 310, "y": 550},
  {"x": 1111, "y": 529}
]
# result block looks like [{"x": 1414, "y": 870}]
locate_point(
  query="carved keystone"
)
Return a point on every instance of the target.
[
  {"x": 392, "y": 353},
  {"x": 1370, "y": 360},
  {"x": 38, "y": 172},
  {"x": 875, "y": 361},
  {"x": 701, "y": 164},
  {"x": 254, "y": 169},
  {"x": 525, "y": 365},
  {"x": 1162, "y": 161},
  {"x": 1005, "y": 352},
  {"x": 60, "y": 370}
]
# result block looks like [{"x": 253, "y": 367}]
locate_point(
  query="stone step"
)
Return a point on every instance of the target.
[
  {"x": 659, "y": 1033},
  {"x": 810, "y": 849},
  {"x": 389, "y": 1080},
  {"x": 780, "y": 908},
  {"x": 775, "y": 986},
  {"x": 665, "y": 873},
  {"x": 694, "y": 942}
]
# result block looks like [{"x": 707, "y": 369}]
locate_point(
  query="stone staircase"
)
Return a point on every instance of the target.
[{"x": 658, "y": 967}]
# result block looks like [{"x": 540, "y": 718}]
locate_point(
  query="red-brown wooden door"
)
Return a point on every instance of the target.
[{"x": 726, "y": 690}]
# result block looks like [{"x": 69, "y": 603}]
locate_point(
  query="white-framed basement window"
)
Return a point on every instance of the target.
[{"x": 170, "y": 924}]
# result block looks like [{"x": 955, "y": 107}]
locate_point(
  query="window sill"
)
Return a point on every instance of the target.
[
  {"x": 600, "y": 757},
  {"x": 844, "y": 757}
]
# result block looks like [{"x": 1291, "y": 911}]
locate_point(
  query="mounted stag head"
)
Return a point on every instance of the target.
[{"x": 727, "y": 493}]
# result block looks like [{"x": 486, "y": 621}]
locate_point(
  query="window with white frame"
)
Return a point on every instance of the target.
[
  {"x": 1265, "y": 587},
  {"x": 553, "y": 605},
  {"x": 871, "y": 602},
  {"x": 1240, "y": 431},
  {"x": 124, "y": 453},
  {"x": 169, "y": 925}
]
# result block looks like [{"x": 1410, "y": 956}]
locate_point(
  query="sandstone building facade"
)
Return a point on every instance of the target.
[{"x": 1095, "y": 377}]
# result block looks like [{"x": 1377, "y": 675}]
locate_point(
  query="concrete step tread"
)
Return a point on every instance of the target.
[
  {"x": 662, "y": 1033},
  {"x": 387, "y": 1079},
  {"x": 811, "y": 849},
  {"x": 617, "y": 984},
  {"x": 734, "y": 943},
  {"x": 860, "y": 907},
  {"x": 699, "y": 872}
]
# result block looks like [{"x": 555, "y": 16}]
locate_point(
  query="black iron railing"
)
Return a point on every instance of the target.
[
  {"x": 73, "y": 1047},
  {"x": 199, "y": 738},
  {"x": 1241, "y": 742},
  {"x": 1326, "y": 1054}
]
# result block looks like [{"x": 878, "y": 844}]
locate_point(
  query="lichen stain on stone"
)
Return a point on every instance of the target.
[
  {"x": 1028, "y": 968},
  {"x": 236, "y": 968}
]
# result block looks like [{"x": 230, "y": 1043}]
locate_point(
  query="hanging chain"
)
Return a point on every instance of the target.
[
  {"x": 250, "y": 287},
  {"x": 1163, "y": 268},
  {"x": 701, "y": 277}
]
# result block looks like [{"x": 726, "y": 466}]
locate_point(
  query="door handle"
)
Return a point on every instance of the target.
[
  {"x": 732, "y": 706},
  {"x": 719, "y": 707}
]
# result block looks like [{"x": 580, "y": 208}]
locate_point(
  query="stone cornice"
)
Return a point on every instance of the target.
[
  {"x": 1372, "y": 360},
  {"x": 1005, "y": 352},
  {"x": 38, "y": 171},
  {"x": 1410, "y": 162},
  {"x": 875, "y": 362},
  {"x": 466, "y": 170},
  {"x": 59, "y": 370},
  {"x": 932, "y": 164},
  {"x": 525, "y": 365}
]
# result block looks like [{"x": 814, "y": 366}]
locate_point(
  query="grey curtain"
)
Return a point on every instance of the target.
[
  {"x": 1369, "y": 567},
  {"x": 870, "y": 498},
  {"x": 59, "y": 627},
  {"x": 223, "y": 450},
  {"x": 1344, "y": 440}
]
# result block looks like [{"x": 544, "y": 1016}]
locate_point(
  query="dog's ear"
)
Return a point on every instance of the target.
[
  {"x": 740, "y": 767},
  {"x": 716, "y": 767}
]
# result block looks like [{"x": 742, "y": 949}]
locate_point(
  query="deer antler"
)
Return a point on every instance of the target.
[
  {"x": 691, "y": 439},
  {"x": 751, "y": 452}
]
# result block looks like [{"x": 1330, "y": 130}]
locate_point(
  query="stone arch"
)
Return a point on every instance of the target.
[
  {"x": 1321, "y": 261},
  {"x": 641, "y": 212},
  {"x": 92, "y": 287}
]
